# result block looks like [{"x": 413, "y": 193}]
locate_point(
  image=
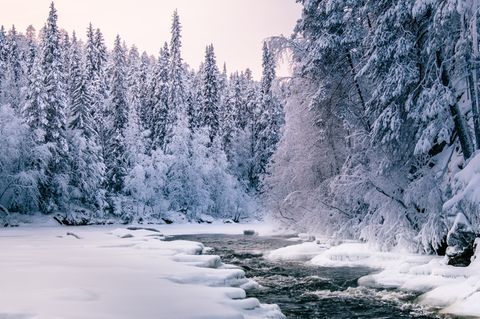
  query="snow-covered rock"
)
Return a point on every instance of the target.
[
  {"x": 205, "y": 218},
  {"x": 172, "y": 217},
  {"x": 460, "y": 240},
  {"x": 304, "y": 251}
]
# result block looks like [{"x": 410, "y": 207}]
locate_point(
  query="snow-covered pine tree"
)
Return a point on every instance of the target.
[
  {"x": 87, "y": 165},
  {"x": 146, "y": 90},
  {"x": 95, "y": 65},
  {"x": 91, "y": 64},
  {"x": 160, "y": 99},
  {"x": 13, "y": 77},
  {"x": 73, "y": 69},
  {"x": 34, "y": 109},
  {"x": 3, "y": 60},
  {"x": 133, "y": 80},
  {"x": 97, "y": 82},
  {"x": 231, "y": 107},
  {"x": 54, "y": 191},
  {"x": 195, "y": 98},
  {"x": 28, "y": 56},
  {"x": 177, "y": 73},
  {"x": 269, "y": 119},
  {"x": 65, "y": 48},
  {"x": 116, "y": 161},
  {"x": 210, "y": 104},
  {"x": 101, "y": 50},
  {"x": 80, "y": 93}
]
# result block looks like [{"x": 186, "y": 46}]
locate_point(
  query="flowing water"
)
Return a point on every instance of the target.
[{"x": 307, "y": 291}]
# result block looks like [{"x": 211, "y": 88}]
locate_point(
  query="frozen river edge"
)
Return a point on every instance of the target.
[
  {"x": 453, "y": 290},
  {"x": 116, "y": 272}
]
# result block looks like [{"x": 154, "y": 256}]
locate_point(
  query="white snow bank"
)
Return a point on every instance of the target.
[
  {"x": 466, "y": 184},
  {"x": 454, "y": 289},
  {"x": 360, "y": 254},
  {"x": 117, "y": 273},
  {"x": 304, "y": 251}
]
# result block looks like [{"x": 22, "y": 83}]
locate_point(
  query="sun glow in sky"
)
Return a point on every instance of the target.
[{"x": 235, "y": 27}]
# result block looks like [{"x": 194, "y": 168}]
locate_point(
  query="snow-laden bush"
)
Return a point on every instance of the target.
[
  {"x": 21, "y": 164},
  {"x": 193, "y": 177},
  {"x": 146, "y": 184}
]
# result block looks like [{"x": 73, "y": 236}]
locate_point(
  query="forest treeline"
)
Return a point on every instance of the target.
[{"x": 94, "y": 134}]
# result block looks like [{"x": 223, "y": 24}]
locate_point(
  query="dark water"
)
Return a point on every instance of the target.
[{"x": 304, "y": 291}]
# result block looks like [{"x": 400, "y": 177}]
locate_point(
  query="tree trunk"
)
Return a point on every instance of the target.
[
  {"x": 461, "y": 126},
  {"x": 462, "y": 130},
  {"x": 473, "y": 75},
  {"x": 357, "y": 88}
]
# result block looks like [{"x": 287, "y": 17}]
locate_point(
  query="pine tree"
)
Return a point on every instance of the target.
[
  {"x": 146, "y": 90},
  {"x": 95, "y": 64},
  {"x": 35, "y": 103},
  {"x": 269, "y": 118},
  {"x": 210, "y": 94},
  {"x": 54, "y": 190},
  {"x": 81, "y": 99},
  {"x": 65, "y": 48},
  {"x": 231, "y": 109},
  {"x": 3, "y": 60},
  {"x": 100, "y": 49},
  {"x": 117, "y": 161},
  {"x": 161, "y": 98},
  {"x": 88, "y": 169},
  {"x": 177, "y": 90},
  {"x": 140, "y": 93},
  {"x": 195, "y": 98},
  {"x": 31, "y": 49},
  {"x": 12, "y": 81},
  {"x": 96, "y": 81},
  {"x": 91, "y": 63}
]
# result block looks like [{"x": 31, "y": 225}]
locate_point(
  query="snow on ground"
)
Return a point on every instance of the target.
[
  {"x": 109, "y": 272},
  {"x": 455, "y": 290}
]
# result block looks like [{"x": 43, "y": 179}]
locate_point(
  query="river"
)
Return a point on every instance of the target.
[{"x": 308, "y": 291}]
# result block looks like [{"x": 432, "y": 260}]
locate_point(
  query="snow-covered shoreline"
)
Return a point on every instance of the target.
[
  {"x": 455, "y": 290},
  {"x": 111, "y": 272}
]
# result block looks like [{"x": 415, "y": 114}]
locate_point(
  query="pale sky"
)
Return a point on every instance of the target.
[{"x": 235, "y": 27}]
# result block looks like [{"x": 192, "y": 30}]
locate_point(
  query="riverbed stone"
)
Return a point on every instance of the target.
[{"x": 460, "y": 241}]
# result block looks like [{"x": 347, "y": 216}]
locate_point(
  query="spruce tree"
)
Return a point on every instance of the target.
[
  {"x": 35, "y": 103},
  {"x": 54, "y": 190},
  {"x": 195, "y": 98},
  {"x": 117, "y": 161},
  {"x": 269, "y": 119},
  {"x": 177, "y": 90},
  {"x": 12, "y": 82},
  {"x": 91, "y": 63},
  {"x": 161, "y": 99},
  {"x": 3, "y": 60},
  {"x": 30, "y": 51},
  {"x": 81, "y": 99},
  {"x": 88, "y": 169},
  {"x": 146, "y": 91},
  {"x": 210, "y": 94}
]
